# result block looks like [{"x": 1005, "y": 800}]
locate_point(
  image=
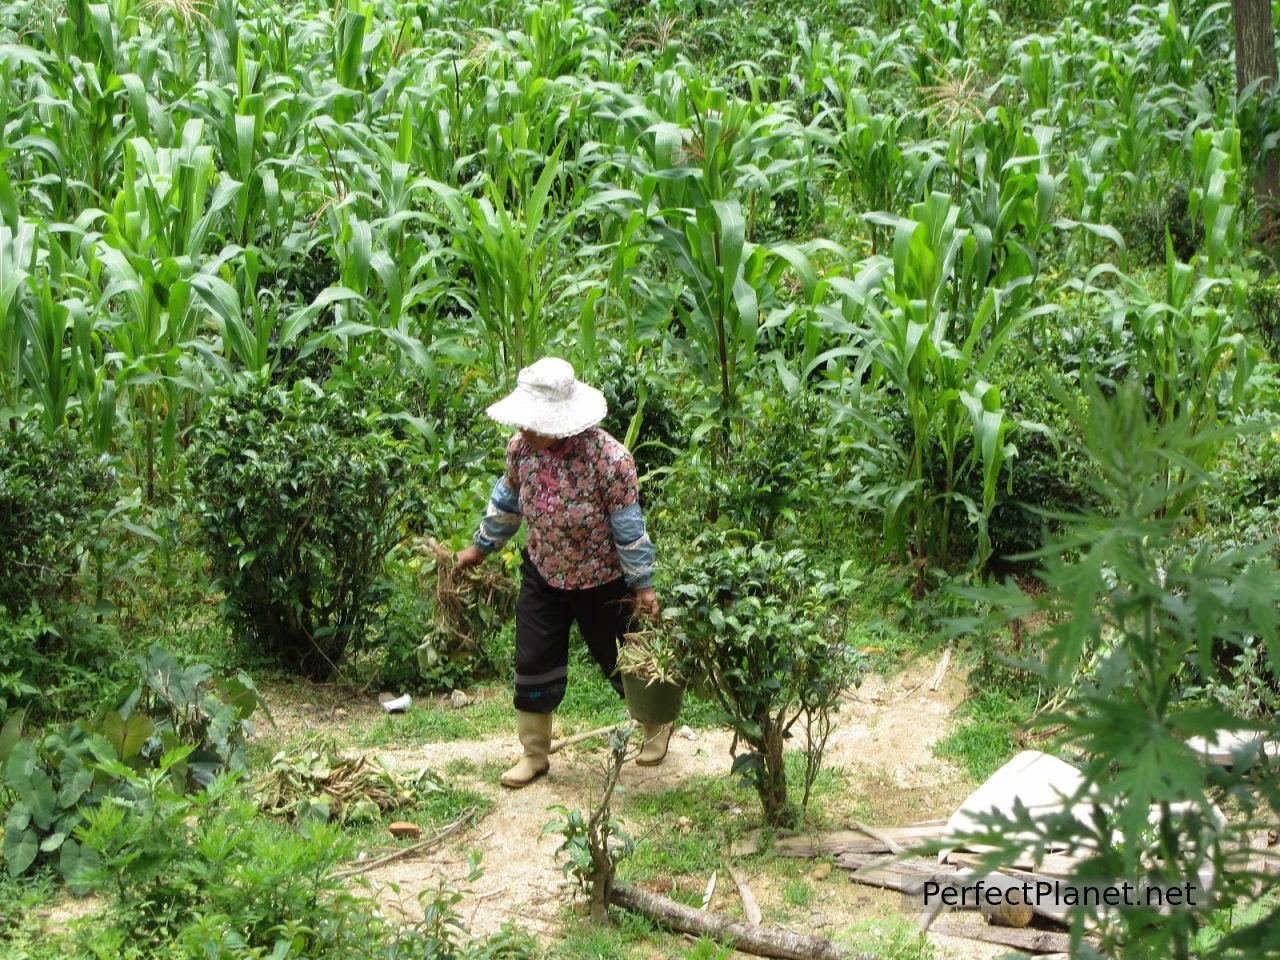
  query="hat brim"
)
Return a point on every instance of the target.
[{"x": 524, "y": 411}]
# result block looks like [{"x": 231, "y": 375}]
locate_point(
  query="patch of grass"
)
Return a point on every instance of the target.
[
  {"x": 622, "y": 940},
  {"x": 435, "y": 811},
  {"x": 427, "y": 722},
  {"x": 984, "y": 740},
  {"x": 830, "y": 789},
  {"x": 706, "y": 949},
  {"x": 889, "y": 938},
  {"x": 22, "y": 932},
  {"x": 663, "y": 849},
  {"x": 798, "y": 893},
  {"x": 489, "y": 771},
  {"x": 446, "y": 806},
  {"x": 460, "y": 767}
]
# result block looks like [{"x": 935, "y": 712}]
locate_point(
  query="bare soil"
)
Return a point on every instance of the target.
[{"x": 883, "y": 743}]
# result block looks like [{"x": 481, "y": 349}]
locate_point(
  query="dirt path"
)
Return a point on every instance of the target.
[{"x": 883, "y": 743}]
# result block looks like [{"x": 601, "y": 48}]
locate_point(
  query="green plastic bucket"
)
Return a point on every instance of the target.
[{"x": 652, "y": 702}]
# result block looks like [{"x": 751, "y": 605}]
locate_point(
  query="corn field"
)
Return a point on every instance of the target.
[
  {"x": 192, "y": 190},
  {"x": 891, "y": 301}
]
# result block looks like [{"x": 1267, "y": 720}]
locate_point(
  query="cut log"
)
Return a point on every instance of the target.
[
  {"x": 750, "y": 907},
  {"x": 1008, "y": 914},
  {"x": 1032, "y": 941},
  {"x": 745, "y": 937}
]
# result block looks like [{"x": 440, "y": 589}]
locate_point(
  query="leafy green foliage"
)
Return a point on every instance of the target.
[
  {"x": 55, "y": 667},
  {"x": 984, "y": 740},
  {"x": 179, "y": 720},
  {"x": 301, "y": 495},
  {"x": 760, "y": 634},
  {"x": 1133, "y": 610},
  {"x": 54, "y": 501},
  {"x": 188, "y": 706},
  {"x": 200, "y": 874}
]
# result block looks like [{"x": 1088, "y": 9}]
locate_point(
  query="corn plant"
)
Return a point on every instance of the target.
[
  {"x": 932, "y": 360},
  {"x": 1214, "y": 197},
  {"x": 871, "y": 161},
  {"x": 726, "y": 277},
  {"x": 507, "y": 252},
  {"x": 1182, "y": 343},
  {"x": 17, "y": 255}
]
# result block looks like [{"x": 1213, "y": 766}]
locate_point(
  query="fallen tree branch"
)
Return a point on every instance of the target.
[
  {"x": 559, "y": 745},
  {"x": 745, "y": 937},
  {"x": 431, "y": 841},
  {"x": 941, "y": 671},
  {"x": 750, "y": 906}
]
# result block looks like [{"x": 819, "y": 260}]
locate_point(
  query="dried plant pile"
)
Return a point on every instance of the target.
[
  {"x": 648, "y": 655},
  {"x": 322, "y": 784},
  {"x": 469, "y": 605}
]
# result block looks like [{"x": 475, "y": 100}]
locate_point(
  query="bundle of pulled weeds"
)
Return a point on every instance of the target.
[
  {"x": 469, "y": 604},
  {"x": 321, "y": 784}
]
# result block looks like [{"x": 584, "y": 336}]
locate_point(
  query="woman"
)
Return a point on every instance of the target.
[{"x": 588, "y": 557}]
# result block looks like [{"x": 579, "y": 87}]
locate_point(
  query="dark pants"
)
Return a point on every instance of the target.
[{"x": 543, "y": 616}]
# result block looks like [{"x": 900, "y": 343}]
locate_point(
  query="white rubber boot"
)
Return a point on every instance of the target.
[
  {"x": 656, "y": 739},
  {"x": 534, "y": 730}
]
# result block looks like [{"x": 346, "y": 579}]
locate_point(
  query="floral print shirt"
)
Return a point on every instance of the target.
[{"x": 583, "y": 511}]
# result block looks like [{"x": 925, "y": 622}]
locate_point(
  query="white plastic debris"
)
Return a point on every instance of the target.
[
  {"x": 398, "y": 705},
  {"x": 687, "y": 733}
]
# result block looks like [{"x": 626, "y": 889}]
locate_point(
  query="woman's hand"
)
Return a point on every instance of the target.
[
  {"x": 468, "y": 557},
  {"x": 647, "y": 603}
]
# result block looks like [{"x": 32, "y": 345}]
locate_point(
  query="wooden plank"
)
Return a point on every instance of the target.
[
  {"x": 1051, "y": 864},
  {"x": 910, "y": 875},
  {"x": 1032, "y": 941},
  {"x": 906, "y": 876},
  {"x": 860, "y": 838}
]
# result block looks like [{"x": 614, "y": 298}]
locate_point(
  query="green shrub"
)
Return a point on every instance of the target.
[
  {"x": 758, "y": 630},
  {"x": 54, "y": 499},
  {"x": 56, "y": 667},
  {"x": 204, "y": 876},
  {"x": 300, "y": 498}
]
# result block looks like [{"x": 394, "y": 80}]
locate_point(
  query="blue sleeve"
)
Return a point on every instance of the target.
[
  {"x": 501, "y": 518},
  {"x": 635, "y": 549}
]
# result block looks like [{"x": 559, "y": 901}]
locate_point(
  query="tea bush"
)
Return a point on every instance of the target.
[
  {"x": 54, "y": 501},
  {"x": 55, "y": 504},
  {"x": 759, "y": 631},
  {"x": 300, "y": 495}
]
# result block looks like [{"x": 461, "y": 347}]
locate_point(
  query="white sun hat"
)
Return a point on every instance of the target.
[{"x": 550, "y": 401}]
